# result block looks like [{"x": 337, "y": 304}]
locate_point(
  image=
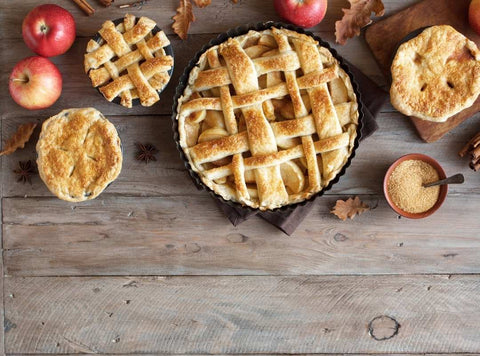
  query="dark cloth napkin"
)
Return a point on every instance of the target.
[{"x": 373, "y": 97}]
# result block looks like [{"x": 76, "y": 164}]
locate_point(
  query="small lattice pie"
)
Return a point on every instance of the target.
[
  {"x": 79, "y": 154},
  {"x": 268, "y": 118},
  {"x": 436, "y": 74},
  {"x": 129, "y": 61}
]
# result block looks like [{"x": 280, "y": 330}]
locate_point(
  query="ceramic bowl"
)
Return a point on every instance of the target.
[{"x": 443, "y": 188}]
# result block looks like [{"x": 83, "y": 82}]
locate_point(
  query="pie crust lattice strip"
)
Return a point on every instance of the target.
[
  {"x": 130, "y": 59},
  {"x": 79, "y": 154},
  {"x": 268, "y": 118}
]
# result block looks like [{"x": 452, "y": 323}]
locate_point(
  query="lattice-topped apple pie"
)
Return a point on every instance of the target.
[
  {"x": 268, "y": 118},
  {"x": 129, "y": 61}
]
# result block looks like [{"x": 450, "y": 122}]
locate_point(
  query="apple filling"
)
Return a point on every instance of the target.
[{"x": 262, "y": 125}]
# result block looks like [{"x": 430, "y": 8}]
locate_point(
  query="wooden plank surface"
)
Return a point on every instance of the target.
[
  {"x": 170, "y": 236},
  {"x": 76, "y": 82},
  {"x": 2, "y": 308},
  {"x": 167, "y": 176},
  {"x": 246, "y": 11},
  {"x": 323, "y": 354},
  {"x": 152, "y": 266},
  {"x": 309, "y": 314},
  {"x": 216, "y": 18}
]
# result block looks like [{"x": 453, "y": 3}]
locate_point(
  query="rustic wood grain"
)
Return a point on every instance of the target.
[
  {"x": 2, "y": 309},
  {"x": 305, "y": 354},
  {"x": 218, "y": 17},
  {"x": 264, "y": 293},
  {"x": 246, "y": 11},
  {"x": 310, "y": 314},
  {"x": 433, "y": 131},
  {"x": 171, "y": 236},
  {"x": 76, "y": 83},
  {"x": 167, "y": 176},
  {"x": 421, "y": 14}
]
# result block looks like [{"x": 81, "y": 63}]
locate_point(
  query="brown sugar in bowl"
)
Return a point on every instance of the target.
[{"x": 443, "y": 188}]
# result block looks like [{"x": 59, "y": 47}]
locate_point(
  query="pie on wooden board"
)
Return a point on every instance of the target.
[{"x": 436, "y": 74}]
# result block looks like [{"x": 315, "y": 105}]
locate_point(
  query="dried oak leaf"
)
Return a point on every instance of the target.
[
  {"x": 202, "y": 3},
  {"x": 19, "y": 138},
  {"x": 356, "y": 17},
  {"x": 183, "y": 18},
  {"x": 349, "y": 208}
]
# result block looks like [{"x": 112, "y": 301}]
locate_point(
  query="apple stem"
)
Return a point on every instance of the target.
[
  {"x": 20, "y": 80},
  {"x": 43, "y": 28}
]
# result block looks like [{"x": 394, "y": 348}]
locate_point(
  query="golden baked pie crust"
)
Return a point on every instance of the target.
[
  {"x": 268, "y": 118},
  {"x": 79, "y": 154},
  {"x": 129, "y": 61},
  {"x": 436, "y": 74}
]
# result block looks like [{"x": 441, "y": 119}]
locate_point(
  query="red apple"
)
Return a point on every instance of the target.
[
  {"x": 35, "y": 83},
  {"x": 303, "y": 13},
  {"x": 474, "y": 15},
  {"x": 49, "y": 30}
]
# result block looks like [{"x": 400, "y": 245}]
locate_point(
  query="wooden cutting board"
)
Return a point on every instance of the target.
[{"x": 384, "y": 36}]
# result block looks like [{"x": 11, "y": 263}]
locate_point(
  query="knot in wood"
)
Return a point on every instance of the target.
[
  {"x": 339, "y": 237},
  {"x": 192, "y": 247},
  {"x": 8, "y": 325},
  {"x": 383, "y": 327},
  {"x": 237, "y": 238}
]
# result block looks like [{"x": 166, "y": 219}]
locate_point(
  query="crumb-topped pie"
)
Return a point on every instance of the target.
[
  {"x": 436, "y": 74},
  {"x": 268, "y": 118},
  {"x": 129, "y": 61},
  {"x": 79, "y": 154}
]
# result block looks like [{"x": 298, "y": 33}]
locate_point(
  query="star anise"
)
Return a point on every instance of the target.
[
  {"x": 146, "y": 152},
  {"x": 25, "y": 171}
]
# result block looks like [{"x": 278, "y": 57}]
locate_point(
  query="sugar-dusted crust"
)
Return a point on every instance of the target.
[
  {"x": 79, "y": 154},
  {"x": 436, "y": 74},
  {"x": 129, "y": 61},
  {"x": 268, "y": 118}
]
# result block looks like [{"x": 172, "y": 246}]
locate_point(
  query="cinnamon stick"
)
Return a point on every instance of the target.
[
  {"x": 475, "y": 152},
  {"x": 85, "y": 6},
  {"x": 474, "y": 142},
  {"x": 475, "y": 166},
  {"x": 473, "y": 149}
]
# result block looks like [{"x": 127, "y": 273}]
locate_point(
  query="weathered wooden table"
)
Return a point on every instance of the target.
[{"x": 152, "y": 266}]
